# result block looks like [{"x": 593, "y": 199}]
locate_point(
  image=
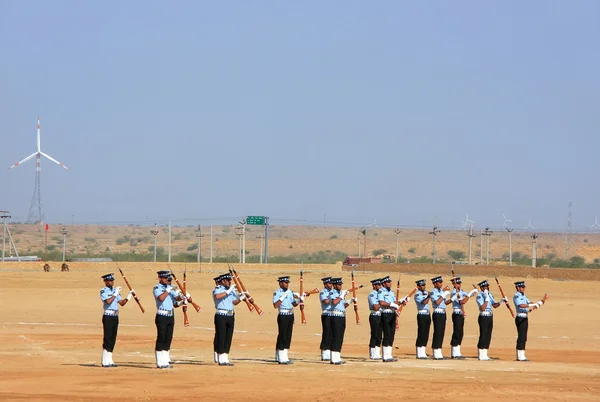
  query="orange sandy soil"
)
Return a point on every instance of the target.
[{"x": 51, "y": 341}]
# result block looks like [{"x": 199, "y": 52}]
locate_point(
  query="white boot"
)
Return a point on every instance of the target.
[
  {"x": 387, "y": 354},
  {"x": 326, "y": 355},
  {"x": 105, "y": 361},
  {"x": 521, "y": 356},
  {"x": 110, "y": 359},
  {"x": 277, "y": 356},
  {"x": 285, "y": 359},
  {"x": 164, "y": 359},
  {"x": 417, "y": 352},
  {"x": 216, "y": 357},
  {"x": 483, "y": 354},
  {"x": 372, "y": 353},
  {"x": 437, "y": 354},
  {"x": 158, "y": 359},
  {"x": 424, "y": 352},
  {"x": 336, "y": 358},
  {"x": 486, "y": 355},
  {"x": 168, "y": 352},
  {"x": 377, "y": 352},
  {"x": 224, "y": 360}
]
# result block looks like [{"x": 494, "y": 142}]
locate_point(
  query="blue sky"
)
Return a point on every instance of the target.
[{"x": 338, "y": 111}]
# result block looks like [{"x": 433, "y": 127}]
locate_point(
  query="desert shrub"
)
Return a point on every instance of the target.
[
  {"x": 457, "y": 255},
  {"x": 379, "y": 251}
]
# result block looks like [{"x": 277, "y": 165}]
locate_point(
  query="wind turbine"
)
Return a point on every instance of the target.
[
  {"x": 529, "y": 226},
  {"x": 36, "y": 200},
  {"x": 466, "y": 223},
  {"x": 596, "y": 224},
  {"x": 504, "y": 225}
]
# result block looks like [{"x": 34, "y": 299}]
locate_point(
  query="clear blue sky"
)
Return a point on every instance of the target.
[{"x": 339, "y": 110}]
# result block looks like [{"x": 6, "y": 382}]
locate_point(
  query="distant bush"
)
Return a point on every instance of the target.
[
  {"x": 457, "y": 255},
  {"x": 379, "y": 251},
  {"x": 51, "y": 247},
  {"x": 333, "y": 236},
  {"x": 192, "y": 247},
  {"x": 412, "y": 250},
  {"x": 123, "y": 240}
]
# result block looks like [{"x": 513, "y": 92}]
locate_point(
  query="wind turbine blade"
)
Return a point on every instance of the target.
[
  {"x": 53, "y": 160},
  {"x": 38, "y": 136},
  {"x": 21, "y": 161}
]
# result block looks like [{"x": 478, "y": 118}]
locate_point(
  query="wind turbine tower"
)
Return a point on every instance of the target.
[{"x": 36, "y": 208}]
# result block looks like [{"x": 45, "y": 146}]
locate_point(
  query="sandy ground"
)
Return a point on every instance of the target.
[{"x": 51, "y": 336}]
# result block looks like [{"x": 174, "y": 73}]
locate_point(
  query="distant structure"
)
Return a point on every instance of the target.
[
  {"x": 505, "y": 224},
  {"x": 569, "y": 250},
  {"x": 529, "y": 226},
  {"x": 36, "y": 208},
  {"x": 596, "y": 225}
]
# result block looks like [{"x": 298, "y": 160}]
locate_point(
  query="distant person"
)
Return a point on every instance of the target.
[
  {"x": 46, "y": 267},
  {"x": 64, "y": 267},
  {"x": 284, "y": 300},
  {"x": 225, "y": 298},
  {"x": 111, "y": 300},
  {"x": 523, "y": 307},
  {"x": 375, "y": 321},
  {"x": 338, "y": 319},
  {"x": 439, "y": 302},
  {"x": 326, "y": 307},
  {"x": 485, "y": 302},
  {"x": 423, "y": 319},
  {"x": 459, "y": 298},
  {"x": 165, "y": 297}
]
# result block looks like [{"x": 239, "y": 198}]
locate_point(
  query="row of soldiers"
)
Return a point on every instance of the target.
[{"x": 383, "y": 306}]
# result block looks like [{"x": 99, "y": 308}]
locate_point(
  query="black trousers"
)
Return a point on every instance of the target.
[
  {"x": 285, "y": 324},
  {"x": 376, "y": 330},
  {"x": 439, "y": 328},
  {"x": 326, "y": 334},
  {"x": 110, "y": 326},
  {"x": 223, "y": 332},
  {"x": 486, "y": 324},
  {"x": 522, "y": 324},
  {"x": 164, "y": 332},
  {"x": 338, "y": 329},
  {"x": 458, "y": 325},
  {"x": 423, "y": 325},
  {"x": 388, "y": 323}
]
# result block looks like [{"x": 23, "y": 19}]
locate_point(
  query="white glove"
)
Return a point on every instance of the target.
[
  {"x": 285, "y": 295},
  {"x": 394, "y": 306},
  {"x": 355, "y": 299},
  {"x": 231, "y": 289},
  {"x": 454, "y": 298},
  {"x": 343, "y": 294},
  {"x": 532, "y": 305},
  {"x": 445, "y": 294},
  {"x": 487, "y": 295},
  {"x": 180, "y": 303},
  {"x": 350, "y": 301},
  {"x": 472, "y": 292},
  {"x": 242, "y": 296},
  {"x": 297, "y": 296},
  {"x": 169, "y": 288},
  {"x": 405, "y": 300},
  {"x": 504, "y": 300},
  {"x": 539, "y": 304},
  {"x": 130, "y": 294},
  {"x": 117, "y": 290}
]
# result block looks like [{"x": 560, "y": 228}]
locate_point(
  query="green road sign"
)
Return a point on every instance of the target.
[{"x": 255, "y": 220}]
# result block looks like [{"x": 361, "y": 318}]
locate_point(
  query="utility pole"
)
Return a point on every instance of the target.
[
  {"x": 64, "y": 232},
  {"x": 434, "y": 233},
  {"x": 471, "y": 235},
  {"x": 239, "y": 233},
  {"x": 266, "y": 239},
  {"x": 155, "y": 234},
  {"x": 199, "y": 235},
  {"x": 397, "y": 231},
  {"x": 211, "y": 243},
  {"x": 261, "y": 237},
  {"x": 243, "y": 225},
  {"x": 358, "y": 239},
  {"x": 487, "y": 232},
  {"x": 4, "y": 215},
  {"x": 534, "y": 246},
  {"x": 509, "y": 246},
  {"x": 365, "y": 243},
  {"x": 481, "y": 247},
  {"x": 169, "y": 241}
]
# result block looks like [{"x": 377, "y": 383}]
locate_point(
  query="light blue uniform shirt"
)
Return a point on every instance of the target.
[
  {"x": 225, "y": 303},
  {"x": 520, "y": 298},
  {"x": 340, "y": 306},
  {"x": 286, "y": 303},
  {"x": 105, "y": 294},
  {"x": 386, "y": 296},
  {"x": 462, "y": 294},
  {"x": 325, "y": 295},
  {"x": 373, "y": 299},
  {"x": 419, "y": 297},
  {"x": 166, "y": 304},
  {"x": 437, "y": 294},
  {"x": 481, "y": 301}
]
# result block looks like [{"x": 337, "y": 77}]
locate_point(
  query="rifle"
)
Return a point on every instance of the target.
[
  {"x": 411, "y": 294},
  {"x": 235, "y": 275},
  {"x": 349, "y": 290},
  {"x": 503, "y": 296},
  {"x": 130, "y": 288},
  {"x": 302, "y": 295},
  {"x": 355, "y": 302},
  {"x": 398, "y": 298},
  {"x": 237, "y": 285},
  {"x": 462, "y": 306},
  {"x": 197, "y": 307},
  {"x": 186, "y": 321}
]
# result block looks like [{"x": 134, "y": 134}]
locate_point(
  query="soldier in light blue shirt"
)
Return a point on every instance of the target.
[
  {"x": 388, "y": 307},
  {"x": 111, "y": 300},
  {"x": 485, "y": 302},
  {"x": 338, "y": 319},
  {"x": 523, "y": 307},
  {"x": 459, "y": 298},
  {"x": 165, "y": 297},
  {"x": 284, "y": 300},
  {"x": 375, "y": 321},
  {"x": 225, "y": 297},
  {"x": 326, "y": 306},
  {"x": 423, "y": 319}
]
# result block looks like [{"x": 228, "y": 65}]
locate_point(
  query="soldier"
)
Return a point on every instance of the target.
[
  {"x": 64, "y": 267},
  {"x": 485, "y": 302},
  {"x": 225, "y": 298},
  {"x": 388, "y": 308},
  {"x": 326, "y": 308},
  {"x": 523, "y": 307},
  {"x": 459, "y": 297},
  {"x": 338, "y": 319},
  {"x": 423, "y": 319},
  {"x": 438, "y": 303},
  {"x": 375, "y": 321},
  {"x": 111, "y": 299},
  {"x": 165, "y": 297},
  {"x": 285, "y": 301},
  {"x": 217, "y": 280}
]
